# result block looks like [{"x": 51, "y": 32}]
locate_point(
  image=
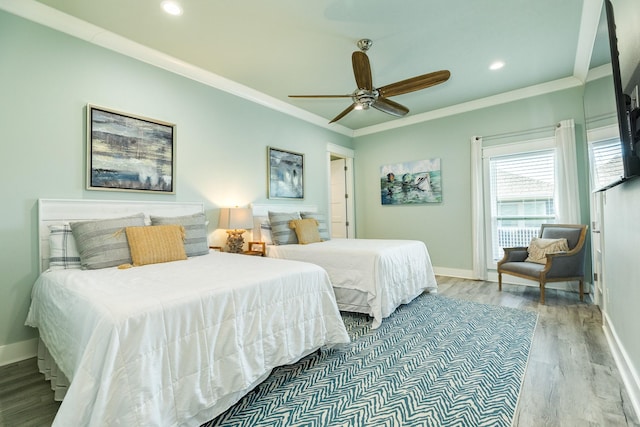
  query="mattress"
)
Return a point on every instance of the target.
[
  {"x": 387, "y": 273},
  {"x": 178, "y": 343}
]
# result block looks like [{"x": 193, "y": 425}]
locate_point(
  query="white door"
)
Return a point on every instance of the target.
[{"x": 338, "y": 198}]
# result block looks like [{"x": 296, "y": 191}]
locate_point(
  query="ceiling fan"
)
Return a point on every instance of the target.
[{"x": 366, "y": 95}]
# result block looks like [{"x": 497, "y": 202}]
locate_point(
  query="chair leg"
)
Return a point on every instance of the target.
[
  {"x": 581, "y": 286},
  {"x": 542, "y": 293},
  {"x": 499, "y": 281}
]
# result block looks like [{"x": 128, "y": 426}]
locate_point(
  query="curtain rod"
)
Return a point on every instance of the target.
[{"x": 550, "y": 128}]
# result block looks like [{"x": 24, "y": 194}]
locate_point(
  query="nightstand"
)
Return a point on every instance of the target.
[{"x": 256, "y": 249}]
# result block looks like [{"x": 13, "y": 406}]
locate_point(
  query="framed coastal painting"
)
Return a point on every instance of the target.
[
  {"x": 127, "y": 152},
  {"x": 286, "y": 174},
  {"x": 411, "y": 182}
]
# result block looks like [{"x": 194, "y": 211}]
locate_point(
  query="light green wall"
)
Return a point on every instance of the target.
[
  {"x": 600, "y": 103},
  {"x": 446, "y": 227},
  {"x": 46, "y": 80},
  {"x": 621, "y": 232}
]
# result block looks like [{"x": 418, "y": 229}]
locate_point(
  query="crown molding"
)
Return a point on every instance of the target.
[
  {"x": 52, "y": 18},
  {"x": 490, "y": 101}
]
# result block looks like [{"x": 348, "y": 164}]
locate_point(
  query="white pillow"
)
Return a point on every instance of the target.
[
  {"x": 63, "y": 252},
  {"x": 539, "y": 248}
]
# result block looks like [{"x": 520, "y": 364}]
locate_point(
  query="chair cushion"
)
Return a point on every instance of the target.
[
  {"x": 572, "y": 234},
  {"x": 539, "y": 248},
  {"x": 523, "y": 268}
]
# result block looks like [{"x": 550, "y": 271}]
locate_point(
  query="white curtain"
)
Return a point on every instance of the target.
[
  {"x": 568, "y": 208},
  {"x": 477, "y": 211}
]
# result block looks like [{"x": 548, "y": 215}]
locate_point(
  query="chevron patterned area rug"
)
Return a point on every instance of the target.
[{"x": 436, "y": 361}]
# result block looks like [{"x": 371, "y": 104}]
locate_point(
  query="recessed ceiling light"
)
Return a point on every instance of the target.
[
  {"x": 496, "y": 65},
  {"x": 171, "y": 7}
]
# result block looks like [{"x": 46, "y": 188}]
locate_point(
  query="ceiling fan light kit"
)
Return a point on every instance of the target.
[{"x": 366, "y": 95}]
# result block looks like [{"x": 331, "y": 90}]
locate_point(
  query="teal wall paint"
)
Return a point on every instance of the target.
[
  {"x": 46, "y": 80},
  {"x": 600, "y": 103},
  {"x": 621, "y": 231},
  {"x": 620, "y": 234},
  {"x": 446, "y": 227}
]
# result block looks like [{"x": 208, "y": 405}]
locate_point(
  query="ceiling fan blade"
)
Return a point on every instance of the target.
[
  {"x": 319, "y": 96},
  {"x": 415, "y": 83},
  {"x": 388, "y": 106},
  {"x": 347, "y": 110},
  {"x": 362, "y": 70}
]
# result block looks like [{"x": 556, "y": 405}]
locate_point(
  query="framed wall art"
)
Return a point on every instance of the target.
[
  {"x": 126, "y": 152},
  {"x": 411, "y": 182},
  {"x": 286, "y": 174}
]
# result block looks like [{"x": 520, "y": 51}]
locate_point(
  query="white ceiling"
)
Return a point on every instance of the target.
[{"x": 266, "y": 50}]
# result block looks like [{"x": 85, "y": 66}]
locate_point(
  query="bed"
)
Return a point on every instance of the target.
[
  {"x": 371, "y": 276},
  {"x": 170, "y": 343}
]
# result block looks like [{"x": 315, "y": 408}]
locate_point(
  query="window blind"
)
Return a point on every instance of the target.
[
  {"x": 606, "y": 158},
  {"x": 522, "y": 188}
]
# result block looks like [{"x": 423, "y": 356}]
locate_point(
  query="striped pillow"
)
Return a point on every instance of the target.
[
  {"x": 323, "y": 229},
  {"x": 103, "y": 243},
  {"x": 281, "y": 234},
  {"x": 195, "y": 227},
  {"x": 156, "y": 243},
  {"x": 63, "y": 253}
]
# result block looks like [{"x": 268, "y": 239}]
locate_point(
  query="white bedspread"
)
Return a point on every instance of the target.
[
  {"x": 177, "y": 343},
  {"x": 391, "y": 272}
]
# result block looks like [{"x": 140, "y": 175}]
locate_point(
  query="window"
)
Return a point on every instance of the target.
[
  {"x": 520, "y": 194},
  {"x": 606, "y": 160}
]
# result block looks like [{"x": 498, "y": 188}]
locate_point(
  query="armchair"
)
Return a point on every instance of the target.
[{"x": 559, "y": 267}]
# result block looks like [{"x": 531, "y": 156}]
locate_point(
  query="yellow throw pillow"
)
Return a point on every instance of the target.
[
  {"x": 153, "y": 244},
  {"x": 306, "y": 230},
  {"x": 539, "y": 248}
]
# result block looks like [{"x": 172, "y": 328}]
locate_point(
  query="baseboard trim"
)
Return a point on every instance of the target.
[
  {"x": 18, "y": 351},
  {"x": 629, "y": 375},
  {"x": 453, "y": 272}
]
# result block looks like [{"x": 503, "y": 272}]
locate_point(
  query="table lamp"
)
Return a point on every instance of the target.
[{"x": 235, "y": 221}]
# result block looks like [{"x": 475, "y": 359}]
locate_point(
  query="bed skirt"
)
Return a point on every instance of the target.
[
  {"x": 48, "y": 367},
  {"x": 60, "y": 383}
]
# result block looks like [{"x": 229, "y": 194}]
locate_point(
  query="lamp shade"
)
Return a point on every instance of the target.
[{"x": 236, "y": 218}]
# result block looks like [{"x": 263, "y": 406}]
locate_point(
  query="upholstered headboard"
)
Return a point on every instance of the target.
[{"x": 60, "y": 211}]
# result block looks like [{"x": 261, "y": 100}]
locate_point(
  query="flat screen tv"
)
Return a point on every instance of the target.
[{"x": 623, "y": 22}]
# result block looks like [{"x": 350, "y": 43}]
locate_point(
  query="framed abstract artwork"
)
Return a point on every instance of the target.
[
  {"x": 286, "y": 174},
  {"x": 126, "y": 152},
  {"x": 411, "y": 182}
]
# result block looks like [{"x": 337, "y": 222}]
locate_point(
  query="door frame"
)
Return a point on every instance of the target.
[{"x": 347, "y": 154}]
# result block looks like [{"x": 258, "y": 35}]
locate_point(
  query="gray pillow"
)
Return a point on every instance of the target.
[
  {"x": 281, "y": 233},
  {"x": 103, "y": 243},
  {"x": 195, "y": 226},
  {"x": 322, "y": 223}
]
